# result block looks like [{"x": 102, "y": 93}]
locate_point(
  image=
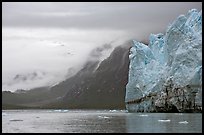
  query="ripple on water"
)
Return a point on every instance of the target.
[{"x": 16, "y": 120}]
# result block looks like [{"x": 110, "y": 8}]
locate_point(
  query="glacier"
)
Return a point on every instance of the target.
[{"x": 166, "y": 74}]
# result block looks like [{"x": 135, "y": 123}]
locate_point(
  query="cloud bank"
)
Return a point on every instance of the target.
[{"x": 53, "y": 38}]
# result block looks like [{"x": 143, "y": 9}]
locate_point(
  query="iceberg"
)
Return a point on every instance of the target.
[{"x": 166, "y": 74}]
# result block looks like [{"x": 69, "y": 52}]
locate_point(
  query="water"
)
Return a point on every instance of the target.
[{"x": 98, "y": 121}]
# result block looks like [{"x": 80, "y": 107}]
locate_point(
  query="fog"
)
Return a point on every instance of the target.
[{"x": 44, "y": 43}]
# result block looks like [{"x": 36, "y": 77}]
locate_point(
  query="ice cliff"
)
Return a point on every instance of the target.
[{"x": 166, "y": 75}]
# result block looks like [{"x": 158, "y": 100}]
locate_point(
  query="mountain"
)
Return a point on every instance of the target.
[
  {"x": 102, "y": 86},
  {"x": 99, "y": 84}
]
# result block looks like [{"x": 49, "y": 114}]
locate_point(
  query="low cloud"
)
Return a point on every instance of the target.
[
  {"x": 53, "y": 51},
  {"x": 58, "y": 38}
]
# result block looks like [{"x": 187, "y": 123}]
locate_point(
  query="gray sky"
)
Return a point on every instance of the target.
[{"x": 50, "y": 39}]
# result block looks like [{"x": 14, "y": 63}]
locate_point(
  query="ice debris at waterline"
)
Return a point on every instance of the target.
[
  {"x": 164, "y": 120},
  {"x": 166, "y": 75},
  {"x": 183, "y": 122}
]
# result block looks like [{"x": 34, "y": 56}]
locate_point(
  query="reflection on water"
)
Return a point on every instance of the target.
[{"x": 100, "y": 121}]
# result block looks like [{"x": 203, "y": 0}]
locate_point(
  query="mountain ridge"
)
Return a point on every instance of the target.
[{"x": 92, "y": 86}]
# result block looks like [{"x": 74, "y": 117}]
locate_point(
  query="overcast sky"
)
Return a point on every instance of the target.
[{"x": 42, "y": 42}]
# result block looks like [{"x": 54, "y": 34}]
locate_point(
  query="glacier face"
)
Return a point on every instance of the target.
[{"x": 166, "y": 75}]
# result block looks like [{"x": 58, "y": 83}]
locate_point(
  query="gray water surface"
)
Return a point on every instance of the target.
[{"x": 98, "y": 121}]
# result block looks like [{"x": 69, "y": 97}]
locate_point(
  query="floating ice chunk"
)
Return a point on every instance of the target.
[
  {"x": 100, "y": 116},
  {"x": 183, "y": 122},
  {"x": 143, "y": 115},
  {"x": 178, "y": 114},
  {"x": 164, "y": 120},
  {"x": 103, "y": 117},
  {"x": 60, "y": 110},
  {"x": 57, "y": 110},
  {"x": 113, "y": 111},
  {"x": 65, "y": 110}
]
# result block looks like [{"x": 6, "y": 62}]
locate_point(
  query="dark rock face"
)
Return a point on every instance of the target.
[
  {"x": 170, "y": 99},
  {"x": 100, "y": 86},
  {"x": 178, "y": 99}
]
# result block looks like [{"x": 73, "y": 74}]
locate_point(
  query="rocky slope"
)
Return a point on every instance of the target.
[
  {"x": 104, "y": 87},
  {"x": 98, "y": 85}
]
